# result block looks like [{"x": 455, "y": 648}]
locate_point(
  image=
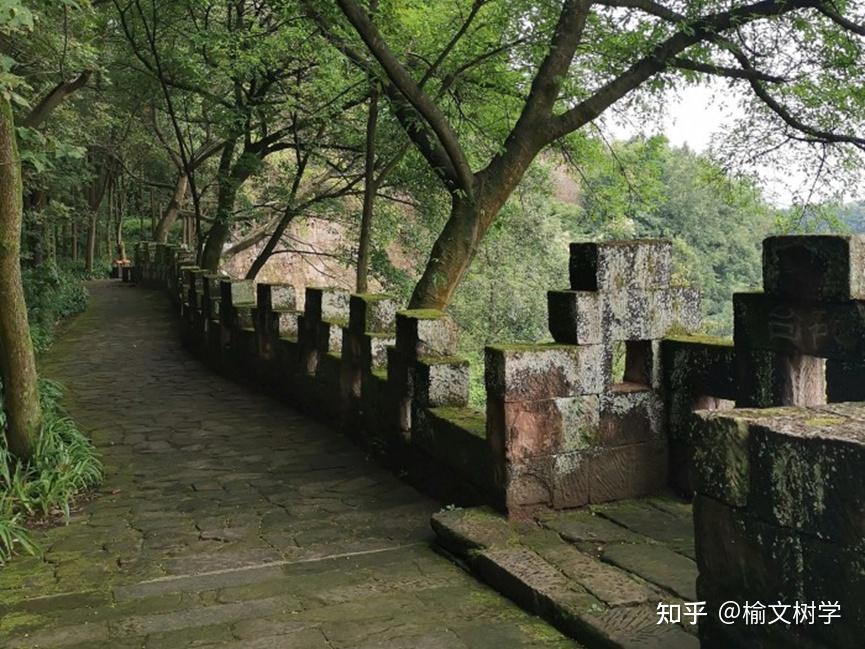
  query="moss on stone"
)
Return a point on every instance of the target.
[
  {"x": 443, "y": 360},
  {"x": 681, "y": 336},
  {"x": 422, "y": 314},
  {"x": 530, "y": 347},
  {"x": 471, "y": 420}
]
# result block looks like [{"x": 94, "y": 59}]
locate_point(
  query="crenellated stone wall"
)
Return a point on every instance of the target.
[
  {"x": 780, "y": 499},
  {"x": 626, "y": 399},
  {"x": 559, "y": 429}
]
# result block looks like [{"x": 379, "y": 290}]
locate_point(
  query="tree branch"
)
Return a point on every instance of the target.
[{"x": 54, "y": 98}]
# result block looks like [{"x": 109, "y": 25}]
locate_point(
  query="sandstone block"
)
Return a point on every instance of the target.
[
  {"x": 829, "y": 330},
  {"x": 820, "y": 268},
  {"x": 327, "y": 304},
  {"x": 441, "y": 381},
  {"x": 700, "y": 365},
  {"x": 617, "y": 265},
  {"x": 521, "y": 431},
  {"x": 631, "y": 471},
  {"x": 630, "y": 417},
  {"x": 574, "y": 317},
  {"x": 372, "y": 313},
  {"x": 721, "y": 456},
  {"x": 543, "y": 371},
  {"x": 426, "y": 333}
]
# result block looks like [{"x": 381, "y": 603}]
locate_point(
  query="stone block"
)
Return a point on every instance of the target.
[
  {"x": 372, "y": 313},
  {"x": 829, "y": 330},
  {"x": 836, "y": 573},
  {"x": 560, "y": 481},
  {"x": 287, "y": 323},
  {"x": 818, "y": 268},
  {"x": 574, "y": 317},
  {"x": 845, "y": 380},
  {"x": 721, "y": 456},
  {"x": 277, "y": 297},
  {"x": 456, "y": 438},
  {"x": 326, "y": 304},
  {"x": 806, "y": 466},
  {"x": 741, "y": 558},
  {"x": 632, "y": 471},
  {"x": 245, "y": 317},
  {"x": 330, "y": 336},
  {"x": 426, "y": 333},
  {"x": 520, "y": 431},
  {"x": 650, "y": 314},
  {"x": 700, "y": 365},
  {"x": 630, "y": 417},
  {"x": 687, "y": 308},
  {"x": 543, "y": 371},
  {"x": 378, "y": 345},
  {"x": 441, "y": 381},
  {"x": 618, "y": 265}
]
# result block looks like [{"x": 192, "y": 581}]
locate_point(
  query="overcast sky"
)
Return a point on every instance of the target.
[{"x": 697, "y": 113}]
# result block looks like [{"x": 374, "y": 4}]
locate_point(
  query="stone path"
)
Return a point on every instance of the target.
[
  {"x": 229, "y": 520},
  {"x": 597, "y": 573}
]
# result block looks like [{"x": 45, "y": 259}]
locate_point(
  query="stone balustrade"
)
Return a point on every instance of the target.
[{"x": 627, "y": 399}]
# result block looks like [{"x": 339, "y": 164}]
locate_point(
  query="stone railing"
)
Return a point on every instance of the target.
[
  {"x": 560, "y": 430},
  {"x": 751, "y": 426}
]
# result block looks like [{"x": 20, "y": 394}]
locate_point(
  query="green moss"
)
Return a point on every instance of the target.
[
  {"x": 469, "y": 419},
  {"x": 698, "y": 339},
  {"x": 380, "y": 373},
  {"x": 373, "y": 297},
  {"x": 824, "y": 421},
  {"x": 18, "y": 621},
  {"x": 422, "y": 314},
  {"x": 530, "y": 347},
  {"x": 443, "y": 360}
]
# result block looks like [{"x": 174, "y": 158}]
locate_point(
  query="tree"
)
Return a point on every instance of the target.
[
  {"x": 17, "y": 360},
  {"x": 597, "y": 54}
]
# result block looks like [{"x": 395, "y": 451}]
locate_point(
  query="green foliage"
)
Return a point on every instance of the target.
[
  {"x": 53, "y": 292},
  {"x": 64, "y": 465},
  {"x": 717, "y": 222}
]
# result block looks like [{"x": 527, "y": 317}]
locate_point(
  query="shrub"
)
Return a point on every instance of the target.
[
  {"x": 52, "y": 292},
  {"x": 64, "y": 465}
]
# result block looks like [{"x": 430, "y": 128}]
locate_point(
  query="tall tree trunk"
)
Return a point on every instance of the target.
[
  {"x": 90, "y": 253},
  {"x": 17, "y": 360},
  {"x": 369, "y": 191},
  {"x": 452, "y": 253},
  {"x": 170, "y": 215},
  {"x": 74, "y": 236}
]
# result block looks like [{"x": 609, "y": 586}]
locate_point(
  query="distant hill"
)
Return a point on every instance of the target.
[{"x": 853, "y": 214}]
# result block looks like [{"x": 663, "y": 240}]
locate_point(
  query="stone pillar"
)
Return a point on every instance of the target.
[
  {"x": 572, "y": 423},
  {"x": 780, "y": 519},
  {"x": 371, "y": 330},
  {"x": 808, "y": 326},
  {"x": 424, "y": 338},
  {"x": 326, "y": 312}
]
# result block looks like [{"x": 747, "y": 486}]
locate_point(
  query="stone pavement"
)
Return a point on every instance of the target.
[
  {"x": 229, "y": 520},
  {"x": 597, "y": 573}
]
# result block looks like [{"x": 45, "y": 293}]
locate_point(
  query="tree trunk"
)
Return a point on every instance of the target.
[
  {"x": 170, "y": 215},
  {"x": 17, "y": 360},
  {"x": 74, "y": 227},
  {"x": 452, "y": 253},
  {"x": 369, "y": 191},
  {"x": 91, "y": 242},
  {"x": 271, "y": 244}
]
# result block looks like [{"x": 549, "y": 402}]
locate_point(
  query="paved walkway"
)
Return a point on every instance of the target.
[{"x": 229, "y": 520}]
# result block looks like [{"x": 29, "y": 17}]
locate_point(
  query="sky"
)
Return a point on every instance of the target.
[{"x": 697, "y": 113}]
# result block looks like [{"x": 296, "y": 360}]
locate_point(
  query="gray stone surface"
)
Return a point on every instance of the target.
[{"x": 228, "y": 520}]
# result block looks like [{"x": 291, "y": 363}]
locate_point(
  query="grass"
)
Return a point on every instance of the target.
[{"x": 65, "y": 465}]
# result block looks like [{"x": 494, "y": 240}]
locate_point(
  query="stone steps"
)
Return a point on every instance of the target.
[{"x": 597, "y": 575}]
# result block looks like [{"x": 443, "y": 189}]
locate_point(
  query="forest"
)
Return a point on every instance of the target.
[{"x": 443, "y": 151}]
